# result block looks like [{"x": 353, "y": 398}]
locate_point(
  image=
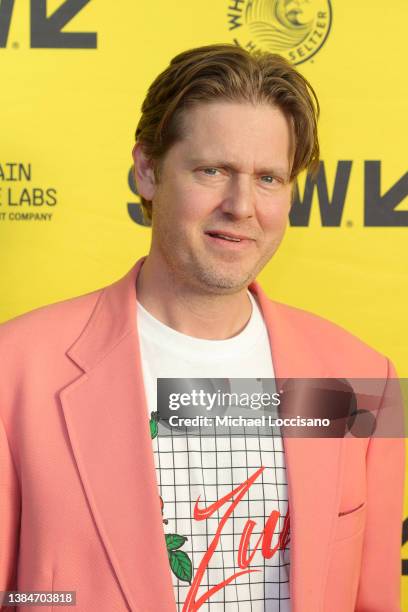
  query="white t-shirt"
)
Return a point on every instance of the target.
[{"x": 193, "y": 466}]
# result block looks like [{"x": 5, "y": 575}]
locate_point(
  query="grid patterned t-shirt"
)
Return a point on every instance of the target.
[{"x": 208, "y": 548}]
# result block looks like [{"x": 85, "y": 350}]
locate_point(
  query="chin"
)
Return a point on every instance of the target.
[{"x": 224, "y": 284}]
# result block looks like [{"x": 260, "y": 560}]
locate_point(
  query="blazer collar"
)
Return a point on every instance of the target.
[{"x": 114, "y": 317}]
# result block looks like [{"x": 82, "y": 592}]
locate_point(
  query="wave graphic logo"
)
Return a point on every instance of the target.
[{"x": 296, "y": 29}]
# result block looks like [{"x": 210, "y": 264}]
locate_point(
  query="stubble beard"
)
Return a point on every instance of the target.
[
  {"x": 215, "y": 281},
  {"x": 209, "y": 274},
  {"x": 206, "y": 276},
  {"x": 198, "y": 270}
]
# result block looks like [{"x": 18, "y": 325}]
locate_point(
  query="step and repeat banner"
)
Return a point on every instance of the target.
[{"x": 74, "y": 75}]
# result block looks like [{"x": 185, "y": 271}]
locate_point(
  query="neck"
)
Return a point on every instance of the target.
[{"x": 203, "y": 315}]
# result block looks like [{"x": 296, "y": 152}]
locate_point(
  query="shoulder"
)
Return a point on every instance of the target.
[
  {"x": 53, "y": 324},
  {"x": 334, "y": 344}
]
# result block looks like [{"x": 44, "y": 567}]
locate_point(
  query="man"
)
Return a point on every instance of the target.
[{"x": 98, "y": 496}]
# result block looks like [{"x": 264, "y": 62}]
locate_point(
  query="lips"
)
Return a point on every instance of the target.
[{"x": 229, "y": 236}]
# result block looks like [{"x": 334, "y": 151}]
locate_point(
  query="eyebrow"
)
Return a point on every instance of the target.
[{"x": 220, "y": 163}]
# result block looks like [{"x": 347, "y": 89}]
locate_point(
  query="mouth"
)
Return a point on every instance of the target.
[
  {"x": 227, "y": 236},
  {"x": 228, "y": 240}
]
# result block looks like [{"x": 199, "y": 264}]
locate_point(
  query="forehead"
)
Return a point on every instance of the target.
[{"x": 239, "y": 132}]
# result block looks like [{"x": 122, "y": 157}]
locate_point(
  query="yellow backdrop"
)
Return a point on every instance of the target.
[{"x": 73, "y": 79}]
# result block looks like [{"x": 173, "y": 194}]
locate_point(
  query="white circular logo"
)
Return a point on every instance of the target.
[{"x": 296, "y": 29}]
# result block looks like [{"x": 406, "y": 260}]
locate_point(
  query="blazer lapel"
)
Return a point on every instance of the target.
[
  {"x": 314, "y": 465},
  {"x": 106, "y": 416},
  {"x": 107, "y": 421}
]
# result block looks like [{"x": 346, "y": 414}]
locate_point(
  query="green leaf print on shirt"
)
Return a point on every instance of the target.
[
  {"x": 180, "y": 562},
  {"x": 174, "y": 541},
  {"x": 181, "y": 565},
  {"x": 154, "y": 427}
]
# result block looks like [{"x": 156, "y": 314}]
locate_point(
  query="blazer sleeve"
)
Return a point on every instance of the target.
[
  {"x": 9, "y": 517},
  {"x": 380, "y": 577}
]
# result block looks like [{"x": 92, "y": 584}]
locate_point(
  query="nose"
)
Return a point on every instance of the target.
[{"x": 239, "y": 199}]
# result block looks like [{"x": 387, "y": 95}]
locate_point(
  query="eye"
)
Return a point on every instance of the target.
[
  {"x": 210, "y": 171},
  {"x": 269, "y": 178}
]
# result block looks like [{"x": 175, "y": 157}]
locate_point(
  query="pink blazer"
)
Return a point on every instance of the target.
[{"x": 79, "y": 506}]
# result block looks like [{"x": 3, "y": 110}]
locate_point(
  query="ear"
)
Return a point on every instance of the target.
[{"x": 144, "y": 175}]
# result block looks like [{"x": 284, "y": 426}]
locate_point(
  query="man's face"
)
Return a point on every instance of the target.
[{"x": 221, "y": 206}]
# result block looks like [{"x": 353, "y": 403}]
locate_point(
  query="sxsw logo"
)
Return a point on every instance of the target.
[
  {"x": 46, "y": 29},
  {"x": 380, "y": 203}
]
